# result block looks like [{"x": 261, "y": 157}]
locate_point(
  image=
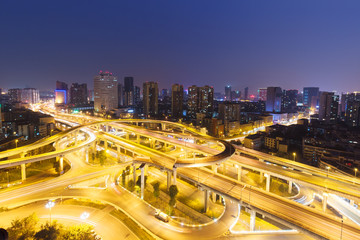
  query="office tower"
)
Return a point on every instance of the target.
[
  {"x": 128, "y": 91},
  {"x": 246, "y": 93},
  {"x": 228, "y": 93},
  {"x": 229, "y": 111},
  {"x": 200, "y": 100},
  {"x": 105, "y": 92},
  {"x": 14, "y": 95},
  {"x": 352, "y": 114},
  {"x": 311, "y": 97},
  {"x": 137, "y": 98},
  {"x": 150, "y": 99},
  {"x": 78, "y": 94},
  {"x": 348, "y": 97},
  {"x": 177, "y": 96},
  {"x": 120, "y": 95},
  {"x": 61, "y": 93},
  {"x": 273, "y": 99},
  {"x": 289, "y": 101},
  {"x": 262, "y": 94},
  {"x": 328, "y": 106}
]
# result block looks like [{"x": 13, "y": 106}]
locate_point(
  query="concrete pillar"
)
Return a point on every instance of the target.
[
  {"x": 214, "y": 168},
  {"x": 127, "y": 136},
  {"x": 324, "y": 201},
  {"x": 290, "y": 186},
  {"x": 239, "y": 172},
  {"x": 138, "y": 138},
  {"x": 268, "y": 180},
  {"x": 61, "y": 164},
  {"x": 174, "y": 175},
  {"x": 118, "y": 152},
  {"x": 214, "y": 196},
  {"x": 163, "y": 127},
  {"x": 352, "y": 202},
  {"x": 142, "y": 182},
  {"x": 134, "y": 173},
  {"x": 105, "y": 145},
  {"x": 252, "y": 220},
  {"x": 106, "y": 128},
  {"x": 87, "y": 154},
  {"x": 168, "y": 180},
  {"x": 206, "y": 199},
  {"x": 261, "y": 177},
  {"x": 23, "y": 172}
]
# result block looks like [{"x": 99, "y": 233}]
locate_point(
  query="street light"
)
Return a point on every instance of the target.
[
  {"x": 16, "y": 141},
  {"x": 355, "y": 171},
  {"x": 49, "y": 205},
  {"x": 7, "y": 173},
  {"x": 294, "y": 154},
  {"x": 84, "y": 215},
  {"x": 328, "y": 168}
]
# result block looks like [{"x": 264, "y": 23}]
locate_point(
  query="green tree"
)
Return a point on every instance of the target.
[
  {"x": 23, "y": 229},
  {"x": 173, "y": 191},
  {"x": 102, "y": 157},
  {"x": 131, "y": 185},
  {"x": 49, "y": 231},
  {"x": 79, "y": 232},
  {"x": 156, "y": 189},
  {"x": 123, "y": 176}
]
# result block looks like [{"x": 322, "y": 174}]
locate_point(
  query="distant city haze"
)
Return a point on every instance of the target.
[{"x": 255, "y": 44}]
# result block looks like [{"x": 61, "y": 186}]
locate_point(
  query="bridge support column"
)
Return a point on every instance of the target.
[
  {"x": 206, "y": 200},
  {"x": 105, "y": 144},
  {"x": 174, "y": 176},
  {"x": 252, "y": 220},
  {"x": 163, "y": 126},
  {"x": 142, "y": 182},
  {"x": 290, "y": 186},
  {"x": 214, "y": 168},
  {"x": 214, "y": 196},
  {"x": 106, "y": 128},
  {"x": 324, "y": 201},
  {"x": 268, "y": 180},
  {"x": 118, "y": 152},
  {"x": 168, "y": 180},
  {"x": 137, "y": 138},
  {"x": 134, "y": 173},
  {"x": 61, "y": 164},
  {"x": 261, "y": 177},
  {"x": 127, "y": 136},
  {"x": 239, "y": 171},
  {"x": 23, "y": 172},
  {"x": 352, "y": 203},
  {"x": 87, "y": 154}
]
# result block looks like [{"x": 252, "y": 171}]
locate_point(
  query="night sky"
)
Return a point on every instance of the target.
[{"x": 291, "y": 44}]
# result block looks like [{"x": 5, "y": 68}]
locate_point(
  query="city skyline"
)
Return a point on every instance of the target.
[{"x": 243, "y": 44}]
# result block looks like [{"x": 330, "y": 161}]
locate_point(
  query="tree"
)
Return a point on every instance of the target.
[
  {"x": 79, "y": 232},
  {"x": 123, "y": 177},
  {"x": 49, "y": 231},
  {"x": 102, "y": 157},
  {"x": 173, "y": 191},
  {"x": 156, "y": 189},
  {"x": 23, "y": 229},
  {"x": 131, "y": 185}
]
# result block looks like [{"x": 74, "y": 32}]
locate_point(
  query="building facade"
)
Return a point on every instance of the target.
[
  {"x": 105, "y": 92},
  {"x": 150, "y": 99}
]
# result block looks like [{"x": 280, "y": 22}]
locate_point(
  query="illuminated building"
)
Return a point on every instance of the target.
[
  {"x": 328, "y": 106},
  {"x": 200, "y": 100},
  {"x": 105, "y": 91},
  {"x": 177, "y": 96},
  {"x": 273, "y": 99},
  {"x": 150, "y": 98}
]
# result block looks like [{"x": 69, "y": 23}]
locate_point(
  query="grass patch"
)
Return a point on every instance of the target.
[
  {"x": 87, "y": 203},
  {"x": 133, "y": 226}
]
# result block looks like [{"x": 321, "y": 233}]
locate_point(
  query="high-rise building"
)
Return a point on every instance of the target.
[
  {"x": 289, "y": 101},
  {"x": 262, "y": 94},
  {"x": 14, "y": 95},
  {"x": 229, "y": 111},
  {"x": 200, "y": 100},
  {"x": 348, "y": 97},
  {"x": 120, "y": 95},
  {"x": 78, "y": 94},
  {"x": 61, "y": 93},
  {"x": 164, "y": 93},
  {"x": 311, "y": 97},
  {"x": 352, "y": 114},
  {"x": 177, "y": 96},
  {"x": 137, "y": 98},
  {"x": 228, "y": 93},
  {"x": 246, "y": 93},
  {"x": 328, "y": 106},
  {"x": 128, "y": 91},
  {"x": 273, "y": 99},
  {"x": 105, "y": 92},
  {"x": 150, "y": 99}
]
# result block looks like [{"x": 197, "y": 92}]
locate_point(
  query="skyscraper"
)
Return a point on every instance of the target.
[
  {"x": 61, "y": 93},
  {"x": 105, "y": 92},
  {"x": 150, "y": 99},
  {"x": 352, "y": 114},
  {"x": 328, "y": 106},
  {"x": 289, "y": 101},
  {"x": 228, "y": 93},
  {"x": 78, "y": 94},
  {"x": 177, "y": 95},
  {"x": 128, "y": 91},
  {"x": 200, "y": 100},
  {"x": 310, "y": 97},
  {"x": 273, "y": 99},
  {"x": 120, "y": 95},
  {"x": 14, "y": 95},
  {"x": 137, "y": 99},
  {"x": 262, "y": 94},
  {"x": 246, "y": 93}
]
